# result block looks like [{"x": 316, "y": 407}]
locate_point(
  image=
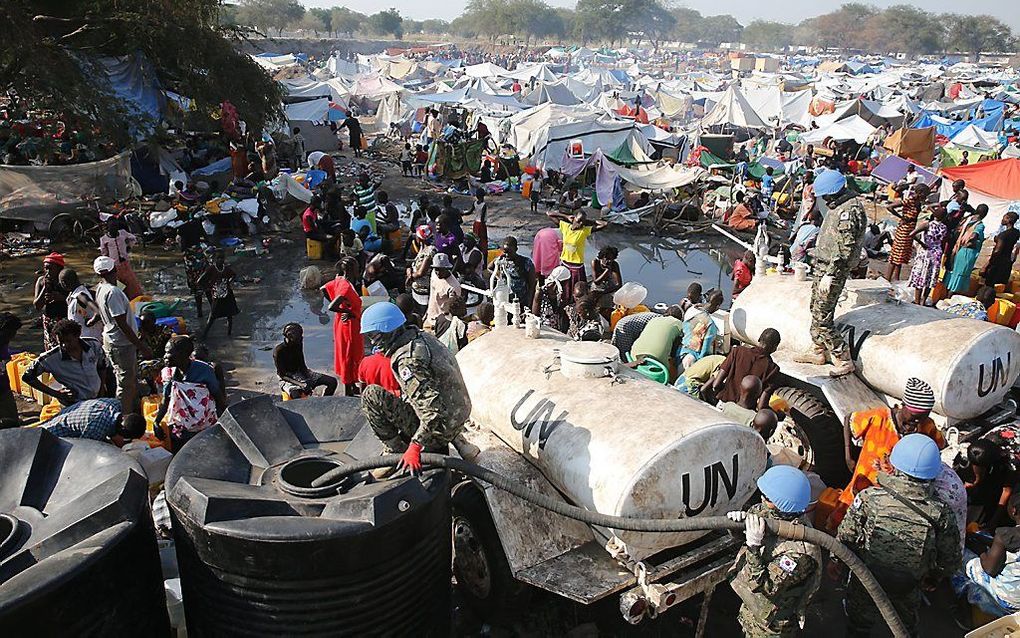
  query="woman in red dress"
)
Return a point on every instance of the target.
[{"x": 348, "y": 344}]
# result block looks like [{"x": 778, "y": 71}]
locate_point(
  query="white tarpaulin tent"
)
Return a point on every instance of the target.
[
  {"x": 660, "y": 178},
  {"x": 539, "y": 72},
  {"x": 733, "y": 109},
  {"x": 852, "y": 128},
  {"x": 485, "y": 70},
  {"x": 310, "y": 111},
  {"x": 555, "y": 92},
  {"x": 975, "y": 137},
  {"x": 549, "y": 145},
  {"x": 778, "y": 107}
]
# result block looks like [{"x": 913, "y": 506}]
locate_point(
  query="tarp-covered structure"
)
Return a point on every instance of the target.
[
  {"x": 995, "y": 183},
  {"x": 914, "y": 144},
  {"x": 37, "y": 193},
  {"x": 733, "y": 109}
]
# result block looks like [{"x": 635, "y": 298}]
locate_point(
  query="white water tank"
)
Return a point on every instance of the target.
[
  {"x": 968, "y": 363},
  {"x": 626, "y": 446}
]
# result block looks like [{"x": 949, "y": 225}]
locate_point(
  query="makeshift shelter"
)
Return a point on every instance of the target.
[
  {"x": 539, "y": 72},
  {"x": 733, "y": 109},
  {"x": 974, "y": 137},
  {"x": 894, "y": 168},
  {"x": 555, "y": 92},
  {"x": 778, "y": 107},
  {"x": 853, "y": 128},
  {"x": 631, "y": 152},
  {"x": 544, "y": 133},
  {"x": 914, "y": 144},
  {"x": 37, "y": 193},
  {"x": 995, "y": 183},
  {"x": 485, "y": 70}
]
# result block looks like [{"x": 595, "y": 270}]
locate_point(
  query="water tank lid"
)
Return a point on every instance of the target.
[{"x": 589, "y": 352}]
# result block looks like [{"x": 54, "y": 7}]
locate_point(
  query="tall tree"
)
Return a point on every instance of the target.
[
  {"x": 345, "y": 21},
  {"x": 974, "y": 34},
  {"x": 323, "y": 17},
  {"x": 50, "y": 50},
  {"x": 763, "y": 34},
  {"x": 720, "y": 28},
  {"x": 843, "y": 28},
  {"x": 688, "y": 24},
  {"x": 387, "y": 22},
  {"x": 270, "y": 14},
  {"x": 904, "y": 28}
]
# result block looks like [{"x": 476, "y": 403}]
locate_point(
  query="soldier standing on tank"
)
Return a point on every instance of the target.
[
  {"x": 837, "y": 253},
  {"x": 906, "y": 537},
  {"x": 775, "y": 578},
  {"x": 433, "y": 403}
]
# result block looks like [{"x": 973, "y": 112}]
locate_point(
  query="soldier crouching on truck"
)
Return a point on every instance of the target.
[
  {"x": 433, "y": 403},
  {"x": 775, "y": 578}
]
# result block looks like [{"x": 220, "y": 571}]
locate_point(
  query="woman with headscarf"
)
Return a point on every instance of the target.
[
  {"x": 345, "y": 303},
  {"x": 903, "y": 242},
  {"x": 50, "y": 298},
  {"x": 968, "y": 246},
  {"x": 551, "y": 300},
  {"x": 546, "y": 250}
]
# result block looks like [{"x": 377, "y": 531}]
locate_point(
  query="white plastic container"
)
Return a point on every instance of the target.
[
  {"x": 620, "y": 445},
  {"x": 970, "y": 364}
]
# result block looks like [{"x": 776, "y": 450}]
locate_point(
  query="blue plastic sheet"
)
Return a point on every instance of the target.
[{"x": 133, "y": 81}]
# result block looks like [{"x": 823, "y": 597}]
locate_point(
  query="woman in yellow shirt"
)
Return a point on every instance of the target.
[{"x": 575, "y": 229}]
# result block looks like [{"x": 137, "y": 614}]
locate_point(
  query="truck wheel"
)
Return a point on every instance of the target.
[
  {"x": 479, "y": 564},
  {"x": 813, "y": 431}
]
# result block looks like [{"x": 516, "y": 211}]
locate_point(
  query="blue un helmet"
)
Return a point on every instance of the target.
[
  {"x": 382, "y": 317},
  {"x": 917, "y": 455},
  {"x": 787, "y": 488},
  {"x": 829, "y": 182}
]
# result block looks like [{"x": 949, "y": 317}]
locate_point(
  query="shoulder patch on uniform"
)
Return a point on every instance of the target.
[
  {"x": 405, "y": 373},
  {"x": 857, "y": 502},
  {"x": 787, "y": 564},
  {"x": 845, "y": 215}
]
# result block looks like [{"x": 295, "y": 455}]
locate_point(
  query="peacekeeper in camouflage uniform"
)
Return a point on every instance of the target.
[
  {"x": 837, "y": 253},
  {"x": 775, "y": 578},
  {"x": 433, "y": 403},
  {"x": 906, "y": 537}
]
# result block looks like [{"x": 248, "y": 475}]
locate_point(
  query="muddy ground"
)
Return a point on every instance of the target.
[{"x": 269, "y": 297}]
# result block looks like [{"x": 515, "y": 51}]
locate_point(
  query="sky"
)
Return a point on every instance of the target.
[{"x": 745, "y": 11}]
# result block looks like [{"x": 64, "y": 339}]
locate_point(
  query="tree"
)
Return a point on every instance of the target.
[
  {"x": 974, "y": 34},
  {"x": 600, "y": 20},
  {"x": 766, "y": 35},
  {"x": 270, "y": 14},
  {"x": 720, "y": 28},
  {"x": 387, "y": 22},
  {"x": 688, "y": 24},
  {"x": 649, "y": 19},
  {"x": 843, "y": 28},
  {"x": 49, "y": 59},
  {"x": 345, "y": 21},
  {"x": 464, "y": 27},
  {"x": 309, "y": 22},
  {"x": 903, "y": 28},
  {"x": 435, "y": 26},
  {"x": 323, "y": 17}
]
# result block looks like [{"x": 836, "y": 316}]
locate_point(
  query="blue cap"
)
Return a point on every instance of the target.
[
  {"x": 917, "y": 455},
  {"x": 381, "y": 317},
  {"x": 786, "y": 487},
  {"x": 829, "y": 182}
]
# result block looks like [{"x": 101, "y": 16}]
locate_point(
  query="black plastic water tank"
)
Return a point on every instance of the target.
[
  {"x": 78, "y": 554},
  {"x": 261, "y": 552}
]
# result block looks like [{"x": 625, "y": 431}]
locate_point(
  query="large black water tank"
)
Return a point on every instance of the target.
[
  {"x": 262, "y": 553},
  {"x": 78, "y": 554}
]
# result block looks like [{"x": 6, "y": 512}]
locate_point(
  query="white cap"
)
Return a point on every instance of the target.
[{"x": 103, "y": 264}]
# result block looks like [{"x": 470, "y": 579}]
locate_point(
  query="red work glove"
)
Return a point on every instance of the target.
[{"x": 411, "y": 459}]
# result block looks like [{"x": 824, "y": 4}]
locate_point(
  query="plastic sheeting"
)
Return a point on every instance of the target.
[
  {"x": 36, "y": 193},
  {"x": 133, "y": 82}
]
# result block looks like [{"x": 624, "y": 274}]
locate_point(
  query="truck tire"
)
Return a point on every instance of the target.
[
  {"x": 815, "y": 422},
  {"x": 480, "y": 566}
]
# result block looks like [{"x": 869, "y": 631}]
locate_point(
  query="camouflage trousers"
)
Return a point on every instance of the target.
[
  {"x": 756, "y": 628},
  {"x": 823, "y": 313},
  {"x": 395, "y": 422},
  {"x": 862, "y": 614}
]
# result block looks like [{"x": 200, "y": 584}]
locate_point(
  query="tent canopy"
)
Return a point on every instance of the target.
[
  {"x": 852, "y": 128},
  {"x": 914, "y": 144},
  {"x": 999, "y": 178},
  {"x": 733, "y": 109}
]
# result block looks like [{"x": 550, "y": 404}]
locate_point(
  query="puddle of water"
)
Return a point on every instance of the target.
[{"x": 667, "y": 266}]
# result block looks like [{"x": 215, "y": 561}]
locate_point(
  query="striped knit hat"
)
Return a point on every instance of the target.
[{"x": 918, "y": 396}]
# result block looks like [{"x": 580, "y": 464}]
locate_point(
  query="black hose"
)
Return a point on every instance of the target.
[{"x": 783, "y": 529}]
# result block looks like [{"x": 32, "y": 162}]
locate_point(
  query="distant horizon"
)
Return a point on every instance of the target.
[{"x": 745, "y": 11}]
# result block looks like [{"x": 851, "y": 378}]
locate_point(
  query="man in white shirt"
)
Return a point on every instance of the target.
[
  {"x": 81, "y": 305},
  {"x": 120, "y": 341}
]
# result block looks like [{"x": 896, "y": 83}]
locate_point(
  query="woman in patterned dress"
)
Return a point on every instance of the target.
[
  {"x": 924, "y": 274},
  {"x": 902, "y": 247}
]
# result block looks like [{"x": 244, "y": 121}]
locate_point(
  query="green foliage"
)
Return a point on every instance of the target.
[
  {"x": 765, "y": 35},
  {"x": 48, "y": 45},
  {"x": 345, "y": 21},
  {"x": 319, "y": 19},
  {"x": 270, "y": 14},
  {"x": 972, "y": 34},
  {"x": 386, "y": 22}
]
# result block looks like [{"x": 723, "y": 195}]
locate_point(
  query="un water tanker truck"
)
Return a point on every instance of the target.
[
  {"x": 971, "y": 365},
  {"x": 564, "y": 419}
]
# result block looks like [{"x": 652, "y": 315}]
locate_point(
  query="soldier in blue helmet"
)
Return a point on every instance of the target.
[
  {"x": 775, "y": 578},
  {"x": 905, "y": 536},
  {"x": 433, "y": 403},
  {"x": 837, "y": 253}
]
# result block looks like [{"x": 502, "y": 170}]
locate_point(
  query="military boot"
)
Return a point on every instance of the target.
[
  {"x": 815, "y": 356},
  {"x": 395, "y": 445},
  {"x": 842, "y": 366}
]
